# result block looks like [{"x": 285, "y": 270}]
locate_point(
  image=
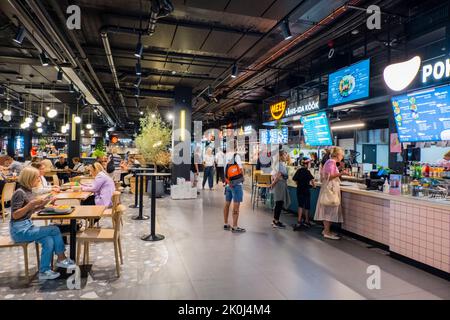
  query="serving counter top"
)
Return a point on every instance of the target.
[{"x": 429, "y": 202}]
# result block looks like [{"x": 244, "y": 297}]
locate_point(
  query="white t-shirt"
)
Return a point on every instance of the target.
[
  {"x": 209, "y": 160},
  {"x": 229, "y": 158},
  {"x": 220, "y": 159}
]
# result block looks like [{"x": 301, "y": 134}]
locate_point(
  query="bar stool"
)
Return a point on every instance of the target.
[
  {"x": 255, "y": 174},
  {"x": 263, "y": 181}
]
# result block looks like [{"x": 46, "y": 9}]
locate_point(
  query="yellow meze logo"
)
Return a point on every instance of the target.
[{"x": 277, "y": 109}]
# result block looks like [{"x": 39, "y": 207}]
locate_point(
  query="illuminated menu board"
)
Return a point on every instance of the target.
[
  {"x": 316, "y": 130},
  {"x": 349, "y": 84},
  {"x": 423, "y": 115},
  {"x": 274, "y": 136}
]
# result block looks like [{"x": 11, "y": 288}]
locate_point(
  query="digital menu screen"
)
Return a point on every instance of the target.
[
  {"x": 423, "y": 115},
  {"x": 274, "y": 136},
  {"x": 316, "y": 130},
  {"x": 349, "y": 84}
]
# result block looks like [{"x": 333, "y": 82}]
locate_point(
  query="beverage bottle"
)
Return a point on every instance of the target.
[{"x": 426, "y": 170}]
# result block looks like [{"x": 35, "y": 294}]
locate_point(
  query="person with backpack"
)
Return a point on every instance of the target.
[{"x": 234, "y": 179}]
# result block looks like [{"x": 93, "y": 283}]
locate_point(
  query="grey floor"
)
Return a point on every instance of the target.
[{"x": 199, "y": 260}]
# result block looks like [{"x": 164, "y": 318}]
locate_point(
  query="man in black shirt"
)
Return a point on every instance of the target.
[
  {"x": 63, "y": 165},
  {"x": 305, "y": 181}
]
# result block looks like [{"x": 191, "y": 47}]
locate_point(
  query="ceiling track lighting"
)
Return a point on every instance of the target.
[
  {"x": 138, "y": 68},
  {"x": 59, "y": 76},
  {"x": 137, "y": 92},
  {"x": 234, "y": 71},
  {"x": 139, "y": 49},
  {"x": 71, "y": 88},
  {"x": 138, "y": 82},
  {"x": 286, "y": 30},
  {"x": 20, "y": 35},
  {"x": 44, "y": 59}
]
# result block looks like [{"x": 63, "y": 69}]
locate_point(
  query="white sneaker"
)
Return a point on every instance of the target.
[
  {"x": 331, "y": 236},
  {"x": 66, "y": 263},
  {"x": 48, "y": 275}
]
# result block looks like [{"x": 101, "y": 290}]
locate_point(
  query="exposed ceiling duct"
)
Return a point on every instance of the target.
[{"x": 159, "y": 9}]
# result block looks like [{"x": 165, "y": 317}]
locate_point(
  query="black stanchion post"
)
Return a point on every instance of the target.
[
  {"x": 153, "y": 236},
  {"x": 141, "y": 198}
]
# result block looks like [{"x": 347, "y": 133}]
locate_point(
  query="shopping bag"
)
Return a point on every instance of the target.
[{"x": 329, "y": 196}]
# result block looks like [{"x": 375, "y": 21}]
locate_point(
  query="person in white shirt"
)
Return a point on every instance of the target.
[
  {"x": 233, "y": 190},
  {"x": 208, "y": 162},
  {"x": 44, "y": 187},
  {"x": 78, "y": 167},
  {"x": 220, "y": 163}
]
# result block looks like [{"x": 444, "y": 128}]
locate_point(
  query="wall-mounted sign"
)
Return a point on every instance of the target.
[
  {"x": 303, "y": 106},
  {"x": 248, "y": 130},
  {"x": 399, "y": 76},
  {"x": 114, "y": 139},
  {"x": 277, "y": 109}
]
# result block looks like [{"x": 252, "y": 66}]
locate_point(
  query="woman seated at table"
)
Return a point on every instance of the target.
[
  {"x": 131, "y": 163},
  {"x": 12, "y": 166},
  {"x": 23, "y": 204},
  {"x": 103, "y": 187},
  {"x": 78, "y": 167},
  {"x": 44, "y": 186},
  {"x": 48, "y": 165}
]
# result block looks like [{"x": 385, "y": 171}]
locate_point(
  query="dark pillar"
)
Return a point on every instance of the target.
[
  {"x": 74, "y": 136},
  {"x": 11, "y": 143},
  {"x": 182, "y": 112},
  {"x": 27, "y": 137}
]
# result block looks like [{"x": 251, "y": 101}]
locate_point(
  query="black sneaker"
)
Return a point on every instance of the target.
[
  {"x": 238, "y": 230},
  {"x": 297, "y": 226},
  {"x": 226, "y": 227},
  {"x": 307, "y": 224},
  {"x": 278, "y": 224}
]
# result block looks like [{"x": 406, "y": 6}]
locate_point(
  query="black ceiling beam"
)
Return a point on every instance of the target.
[
  {"x": 167, "y": 94},
  {"x": 198, "y": 56},
  {"x": 213, "y": 25},
  {"x": 146, "y": 73}
]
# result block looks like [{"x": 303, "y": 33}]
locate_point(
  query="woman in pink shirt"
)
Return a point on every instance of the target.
[
  {"x": 330, "y": 174},
  {"x": 103, "y": 186}
]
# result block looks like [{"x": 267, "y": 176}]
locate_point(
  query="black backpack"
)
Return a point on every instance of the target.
[{"x": 110, "y": 168}]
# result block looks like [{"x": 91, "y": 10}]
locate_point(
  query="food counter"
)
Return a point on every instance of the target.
[{"x": 413, "y": 229}]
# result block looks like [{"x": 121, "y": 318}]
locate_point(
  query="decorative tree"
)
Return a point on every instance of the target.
[
  {"x": 100, "y": 149},
  {"x": 154, "y": 139}
]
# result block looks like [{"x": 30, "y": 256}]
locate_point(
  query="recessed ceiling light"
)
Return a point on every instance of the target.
[{"x": 355, "y": 32}]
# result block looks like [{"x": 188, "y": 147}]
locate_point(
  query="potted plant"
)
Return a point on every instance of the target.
[
  {"x": 153, "y": 140},
  {"x": 100, "y": 149}
]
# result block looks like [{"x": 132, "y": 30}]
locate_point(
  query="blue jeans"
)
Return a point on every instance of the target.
[
  {"x": 235, "y": 194},
  {"x": 49, "y": 237},
  {"x": 208, "y": 174}
]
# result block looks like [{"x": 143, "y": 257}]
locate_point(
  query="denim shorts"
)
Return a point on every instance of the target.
[{"x": 236, "y": 193}]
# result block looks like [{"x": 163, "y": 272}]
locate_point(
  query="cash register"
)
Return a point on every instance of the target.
[{"x": 375, "y": 181}]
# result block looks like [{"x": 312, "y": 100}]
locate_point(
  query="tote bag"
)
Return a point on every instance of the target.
[{"x": 330, "y": 194}]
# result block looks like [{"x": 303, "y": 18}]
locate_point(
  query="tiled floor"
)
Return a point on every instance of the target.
[{"x": 199, "y": 260}]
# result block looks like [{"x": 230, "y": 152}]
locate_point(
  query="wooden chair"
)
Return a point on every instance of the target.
[
  {"x": 7, "y": 242},
  {"x": 263, "y": 181},
  {"x": 102, "y": 235},
  {"x": 255, "y": 174},
  {"x": 56, "y": 180},
  {"x": 7, "y": 193}
]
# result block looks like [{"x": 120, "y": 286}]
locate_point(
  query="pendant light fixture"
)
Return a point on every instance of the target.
[{"x": 77, "y": 118}]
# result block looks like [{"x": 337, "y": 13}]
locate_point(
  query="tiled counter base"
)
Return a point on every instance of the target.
[{"x": 412, "y": 229}]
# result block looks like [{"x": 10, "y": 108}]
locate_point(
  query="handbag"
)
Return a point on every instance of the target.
[{"x": 330, "y": 194}]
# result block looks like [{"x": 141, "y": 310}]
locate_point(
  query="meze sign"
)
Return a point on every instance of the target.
[{"x": 277, "y": 109}]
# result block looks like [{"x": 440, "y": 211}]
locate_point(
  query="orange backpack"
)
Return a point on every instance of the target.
[{"x": 233, "y": 173}]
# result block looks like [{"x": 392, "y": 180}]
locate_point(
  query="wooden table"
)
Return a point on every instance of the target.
[
  {"x": 80, "y": 212},
  {"x": 78, "y": 195}
]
